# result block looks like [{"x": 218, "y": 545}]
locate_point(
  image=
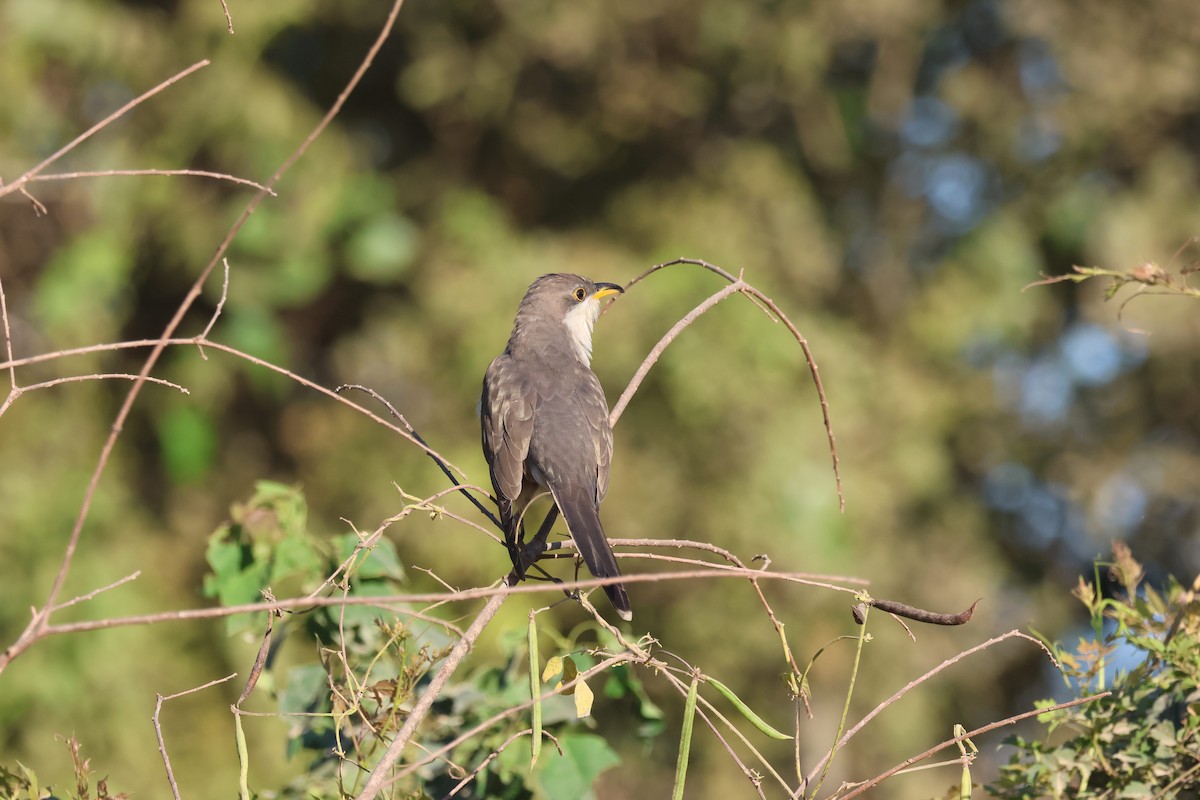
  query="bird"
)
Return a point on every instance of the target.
[{"x": 545, "y": 427}]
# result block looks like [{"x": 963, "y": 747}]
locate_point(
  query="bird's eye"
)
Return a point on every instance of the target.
[{"x": 579, "y": 294}]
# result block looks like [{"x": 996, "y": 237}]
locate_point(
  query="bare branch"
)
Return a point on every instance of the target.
[
  {"x": 912, "y": 685},
  {"x": 664, "y": 342},
  {"x": 387, "y": 601},
  {"x": 492, "y": 756},
  {"x": 115, "y": 173},
  {"x": 133, "y": 576},
  {"x": 162, "y": 745},
  {"x": 41, "y": 620},
  {"x": 17, "y": 392},
  {"x": 417, "y": 715},
  {"x": 771, "y": 308},
  {"x": 228, "y": 18},
  {"x": 19, "y": 183},
  {"x": 8, "y": 345},
  {"x": 217, "y": 312},
  {"x": 441, "y": 463},
  {"x": 873, "y": 782}
]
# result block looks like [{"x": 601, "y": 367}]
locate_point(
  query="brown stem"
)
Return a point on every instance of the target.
[{"x": 432, "y": 691}]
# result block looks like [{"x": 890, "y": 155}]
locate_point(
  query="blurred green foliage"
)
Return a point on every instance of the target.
[
  {"x": 1140, "y": 741},
  {"x": 891, "y": 173}
]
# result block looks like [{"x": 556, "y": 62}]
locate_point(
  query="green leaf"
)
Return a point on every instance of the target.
[
  {"x": 224, "y": 557},
  {"x": 295, "y": 555},
  {"x": 286, "y": 502},
  {"x": 188, "y": 439},
  {"x": 584, "y": 757},
  {"x": 357, "y": 616},
  {"x": 622, "y": 681},
  {"x": 381, "y": 561},
  {"x": 307, "y": 690}
]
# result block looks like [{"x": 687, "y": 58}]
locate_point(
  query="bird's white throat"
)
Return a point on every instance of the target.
[{"x": 579, "y": 321}]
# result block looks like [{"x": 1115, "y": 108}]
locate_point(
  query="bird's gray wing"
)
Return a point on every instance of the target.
[
  {"x": 572, "y": 448},
  {"x": 595, "y": 413},
  {"x": 507, "y": 411}
]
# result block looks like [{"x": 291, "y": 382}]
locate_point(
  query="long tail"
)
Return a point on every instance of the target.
[{"x": 583, "y": 522}]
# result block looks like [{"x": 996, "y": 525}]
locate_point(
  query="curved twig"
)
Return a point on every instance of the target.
[{"x": 770, "y": 307}]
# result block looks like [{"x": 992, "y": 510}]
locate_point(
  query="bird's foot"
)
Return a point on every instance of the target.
[
  {"x": 532, "y": 553},
  {"x": 515, "y": 555}
]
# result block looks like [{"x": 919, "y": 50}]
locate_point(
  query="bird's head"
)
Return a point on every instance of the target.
[{"x": 570, "y": 300}]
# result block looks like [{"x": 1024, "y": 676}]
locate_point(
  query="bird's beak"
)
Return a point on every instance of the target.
[{"x": 605, "y": 289}]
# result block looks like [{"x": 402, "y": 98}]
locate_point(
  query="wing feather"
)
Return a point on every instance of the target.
[{"x": 507, "y": 421}]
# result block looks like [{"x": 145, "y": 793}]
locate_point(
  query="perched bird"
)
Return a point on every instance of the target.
[{"x": 545, "y": 424}]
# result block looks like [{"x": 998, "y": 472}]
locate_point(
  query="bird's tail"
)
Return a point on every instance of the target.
[{"x": 583, "y": 522}]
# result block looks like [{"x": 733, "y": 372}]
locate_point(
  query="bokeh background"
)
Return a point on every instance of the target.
[{"x": 891, "y": 172}]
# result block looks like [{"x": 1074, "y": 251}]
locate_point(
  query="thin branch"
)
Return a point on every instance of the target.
[
  {"x": 494, "y": 754},
  {"x": 17, "y": 392},
  {"x": 217, "y": 312},
  {"x": 19, "y": 183},
  {"x": 908, "y": 687},
  {"x": 113, "y": 173},
  {"x": 387, "y": 601},
  {"x": 133, "y": 576},
  {"x": 436, "y": 458},
  {"x": 162, "y": 745},
  {"x": 670, "y": 336},
  {"x": 41, "y": 620},
  {"x": 417, "y": 715},
  {"x": 873, "y": 782},
  {"x": 228, "y": 18},
  {"x": 8, "y": 343},
  {"x": 815, "y": 579},
  {"x": 39, "y": 209},
  {"x": 198, "y": 341},
  {"x": 770, "y": 307}
]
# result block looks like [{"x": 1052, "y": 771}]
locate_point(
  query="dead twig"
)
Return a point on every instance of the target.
[
  {"x": 166, "y": 173},
  {"x": 162, "y": 745},
  {"x": 908, "y": 687},
  {"x": 19, "y": 185},
  {"x": 772, "y": 309}
]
